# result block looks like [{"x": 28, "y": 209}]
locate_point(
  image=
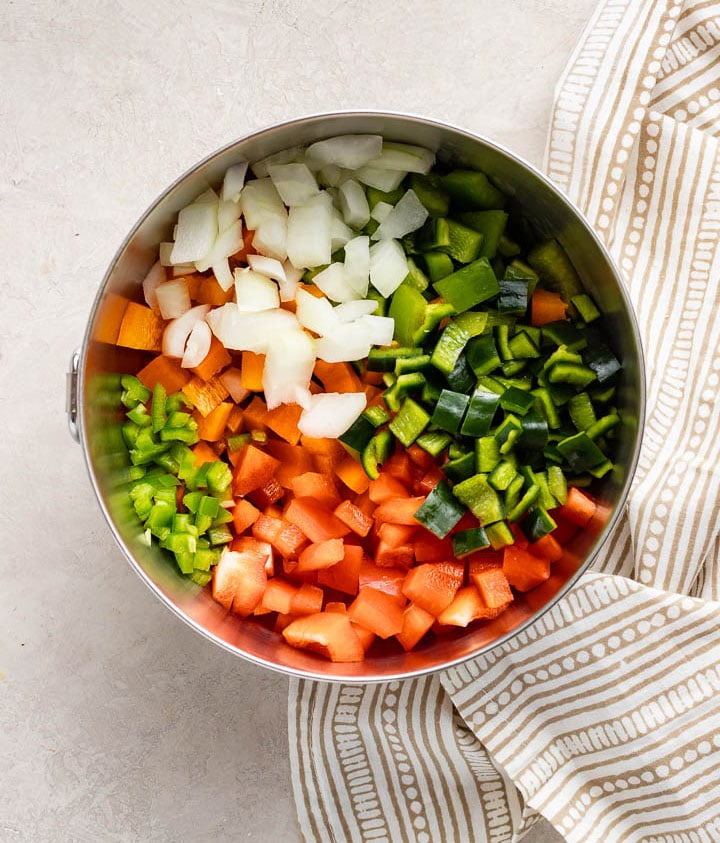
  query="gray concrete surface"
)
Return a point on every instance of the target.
[{"x": 117, "y": 723}]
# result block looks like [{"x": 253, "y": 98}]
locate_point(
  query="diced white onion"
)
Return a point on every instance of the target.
[
  {"x": 388, "y": 266},
  {"x": 289, "y": 364},
  {"x": 284, "y": 156},
  {"x": 353, "y": 203},
  {"x": 385, "y": 180},
  {"x": 408, "y": 215},
  {"x": 271, "y": 237},
  {"x": 294, "y": 182},
  {"x": 289, "y": 287},
  {"x": 207, "y": 197},
  {"x": 198, "y": 345},
  {"x": 309, "y": 236},
  {"x": 270, "y": 267},
  {"x": 164, "y": 252},
  {"x": 331, "y": 176},
  {"x": 381, "y": 328},
  {"x": 357, "y": 264},
  {"x": 155, "y": 277},
  {"x": 176, "y": 332},
  {"x": 259, "y": 201},
  {"x": 340, "y": 233},
  {"x": 330, "y": 414},
  {"x": 231, "y": 379},
  {"x": 351, "y": 341},
  {"x": 229, "y": 242},
  {"x": 248, "y": 331},
  {"x": 173, "y": 298},
  {"x": 316, "y": 314},
  {"x": 197, "y": 230},
  {"x": 347, "y": 151},
  {"x": 352, "y": 310},
  {"x": 181, "y": 269},
  {"x": 255, "y": 292},
  {"x": 234, "y": 181},
  {"x": 223, "y": 274},
  {"x": 228, "y": 213},
  {"x": 381, "y": 212},
  {"x": 334, "y": 283},
  {"x": 404, "y": 156}
]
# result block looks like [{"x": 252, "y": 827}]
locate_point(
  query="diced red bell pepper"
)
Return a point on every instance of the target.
[
  {"x": 278, "y": 596},
  {"x": 523, "y": 569},
  {"x": 416, "y": 622},
  {"x": 328, "y": 633},
  {"x": 239, "y": 581},
  {"x": 401, "y": 556},
  {"x": 377, "y": 611},
  {"x": 386, "y": 487},
  {"x": 255, "y": 468},
  {"x": 307, "y": 600},
  {"x": 431, "y": 586},
  {"x": 399, "y": 511},
  {"x": 493, "y": 587},
  {"x": 321, "y": 487},
  {"x": 354, "y": 518},
  {"x": 466, "y": 607},
  {"x": 389, "y": 580},
  {"x": 321, "y": 555},
  {"x": 315, "y": 520},
  {"x": 429, "y": 548},
  {"x": 344, "y": 576}
]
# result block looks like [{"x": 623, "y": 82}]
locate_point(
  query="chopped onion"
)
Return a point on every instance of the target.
[
  {"x": 173, "y": 298},
  {"x": 347, "y": 151},
  {"x": 294, "y": 182},
  {"x": 352, "y": 310},
  {"x": 388, "y": 266},
  {"x": 351, "y": 341},
  {"x": 270, "y": 267},
  {"x": 381, "y": 212},
  {"x": 198, "y": 345},
  {"x": 176, "y": 332},
  {"x": 385, "y": 180},
  {"x": 404, "y": 156},
  {"x": 408, "y": 215},
  {"x": 271, "y": 237},
  {"x": 353, "y": 203},
  {"x": 197, "y": 230},
  {"x": 249, "y": 331},
  {"x": 164, "y": 252},
  {"x": 330, "y": 414},
  {"x": 255, "y": 292},
  {"x": 285, "y": 156},
  {"x": 381, "y": 328},
  {"x": 315, "y": 314},
  {"x": 228, "y": 213},
  {"x": 231, "y": 379},
  {"x": 229, "y": 242},
  {"x": 357, "y": 264},
  {"x": 309, "y": 235},
  {"x": 331, "y": 176},
  {"x": 289, "y": 287},
  {"x": 155, "y": 277},
  {"x": 207, "y": 197},
  {"x": 334, "y": 283},
  {"x": 340, "y": 233},
  {"x": 181, "y": 269},
  {"x": 234, "y": 181},
  {"x": 259, "y": 201},
  {"x": 289, "y": 363}
]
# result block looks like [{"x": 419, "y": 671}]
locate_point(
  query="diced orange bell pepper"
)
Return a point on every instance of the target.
[
  {"x": 107, "y": 327},
  {"x": 377, "y": 611},
  {"x": 389, "y": 580},
  {"x": 399, "y": 511},
  {"x": 524, "y": 570},
  {"x": 244, "y": 515},
  {"x": 352, "y": 474},
  {"x": 386, "y": 487},
  {"x": 315, "y": 520},
  {"x": 293, "y": 459},
  {"x": 482, "y": 560},
  {"x": 354, "y": 518},
  {"x": 321, "y": 487},
  {"x": 321, "y": 555},
  {"x": 336, "y": 606},
  {"x": 278, "y": 595},
  {"x": 211, "y": 427},
  {"x": 205, "y": 395},
  {"x": 337, "y": 377},
  {"x": 214, "y": 361},
  {"x": 548, "y": 547},
  {"x": 141, "y": 328},
  {"x": 400, "y": 467},
  {"x": 546, "y": 306},
  {"x": 255, "y": 414},
  {"x": 268, "y": 494},
  {"x": 252, "y": 368},
  {"x": 210, "y": 292},
  {"x": 416, "y": 622},
  {"x": 328, "y": 633},
  {"x": 401, "y": 556},
  {"x": 396, "y": 535},
  {"x": 493, "y": 587},
  {"x": 254, "y": 469},
  {"x": 467, "y": 606},
  {"x": 203, "y": 453},
  {"x": 344, "y": 576},
  {"x": 239, "y": 581},
  {"x": 579, "y": 507},
  {"x": 432, "y": 586},
  {"x": 307, "y": 600},
  {"x": 166, "y": 371},
  {"x": 283, "y": 420}
]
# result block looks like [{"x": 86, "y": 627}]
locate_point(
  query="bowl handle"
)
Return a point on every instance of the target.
[{"x": 71, "y": 398}]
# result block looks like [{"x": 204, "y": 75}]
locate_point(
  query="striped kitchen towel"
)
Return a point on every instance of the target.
[{"x": 604, "y": 715}]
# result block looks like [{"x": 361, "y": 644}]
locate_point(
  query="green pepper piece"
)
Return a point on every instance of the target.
[
  {"x": 551, "y": 262},
  {"x": 200, "y": 577},
  {"x": 581, "y": 411},
  {"x": 468, "y": 286},
  {"x": 134, "y": 392},
  {"x": 499, "y": 535},
  {"x": 537, "y": 523},
  {"x": 405, "y": 365},
  {"x": 507, "y": 247},
  {"x": 598, "y": 357},
  {"x": 403, "y": 386},
  {"x": 410, "y": 422},
  {"x": 460, "y": 468},
  {"x": 482, "y": 355},
  {"x": 219, "y": 477},
  {"x": 360, "y": 432},
  {"x": 502, "y": 475},
  {"x": 480, "y": 498},
  {"x": 438, "y": 264},
  {"x": 573, "y": 374},
  {"x": 449, "y": 410},
  {"x": 534, "y": 432},
  {"x": 480, "y": 413},
  {"x": 416, "y": 278},
  {"x": 434, "y": 442},
  {"x": 392, "y": 197},
  {"x": 580, "y": 452},
  {"x": 491, "y": 224},
  {"x": 219, "y": 535},
  {"x": 376, "y": 415},
  {"x": 603, "y": 425},
  {"x": 487, "y": 454},
  {"x": 472, "y": 190},
  {"x": 130, "y": 433},
  {"x": 544, "y": 402},
  {"x": 557, "y": 483},
  {"x": 441, "y": 511},
  {"x": 453, "y": 339},
  {"x": 407, "y": 308},
  {"x": 513, "y": 492},
  {"x": 462, "y": 378},
  {"x": 376, "y": 452},
  {"x": 516, "y": 400},
  {"x": 528, "y": 499},
  {"x": 585, "y": 307},
  {"x": 466, "y": 542},
  {"x": 157, "y": 409},
  {"x": 179, "y": 434},
  {"x": 429, "y": 191},
  {"x": 139, "y": 416},
  {"x": 434, "y": 236},
  {"x": 465, "y": 243},
  {"x": 513, "y": 297},
  {"x": 522, "y": 347},
  {"x": 434, "y": 314},
  {"x": 238, "y": 441},
  {"x": 384, "y": 359}
]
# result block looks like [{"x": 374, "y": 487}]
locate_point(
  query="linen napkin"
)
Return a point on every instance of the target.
[{"x": 604, "y": 715}]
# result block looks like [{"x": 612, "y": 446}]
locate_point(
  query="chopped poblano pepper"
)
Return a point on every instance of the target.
[
  {"x": 468, "y": 286},
  {"x": 454, "y": 338},
  {"x": 410, "y": 422},
  {"x": 441, "y": 510},
  {"x": 480, "y": 498}
]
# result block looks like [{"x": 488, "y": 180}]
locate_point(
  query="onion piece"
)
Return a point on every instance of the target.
[
  {"x": 270, "y": 267},
  {"x": 173, "y": 298},
  {"x": 309, "y": 235},
  {"x": 255, "y": 292},
  {"x": 284, "y": 156},
  {"x": 352, "y": 310},
  {"x": 385, "y": 180},
  {"x": 228, "y": 213},
  {"x": 197, "y": 230},
  {"x": 259, "y": 201},
  {"x": 316, "y": 314},
  {"x": 229, "y": 242},
  {"x": 164, "y": 252},
  {"x": 231, "y": 379},
  {"x": 331, "y": 176},
  {"x": 347, "y": 151},
  {"x": 357, "y": 264},
  {"x": 271, "y": 237},
  {"x": 351, "y": 341},
  {"x": 334, "y": 283},
  {"x": 181, "y": 269},
  {"x": 289, "y": 287},
  {"x": 294, "y": 182},
  {"x": 353, "y": 203},
  {"x": 408, "y": 215},
  {"x": 155, "y": 277},
  {"x": 340, "y": 233},
  {"x": 381, "y": 328},
  {"x": 388, "y": 266},
  {"x": 381, "y": 212},
  {"x": 404, "y": 156},
  {"x": 176, "y": 332},
  {"x": 289, "y": 364},
  {"x": 329, "y": 414},
  {"x": 198, "y": 345},
  {"x": 234, "y": 181},
  {"x": 249, "y": 331}
]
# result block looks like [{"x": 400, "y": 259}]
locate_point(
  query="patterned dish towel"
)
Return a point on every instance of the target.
[{"x": 604, "y": 716}]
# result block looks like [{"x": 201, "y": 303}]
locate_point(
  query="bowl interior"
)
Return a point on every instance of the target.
[{"x": 551, "y": 215}]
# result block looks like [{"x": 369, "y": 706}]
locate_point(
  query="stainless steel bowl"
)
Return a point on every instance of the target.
[{"x": 95, "y": 422}]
